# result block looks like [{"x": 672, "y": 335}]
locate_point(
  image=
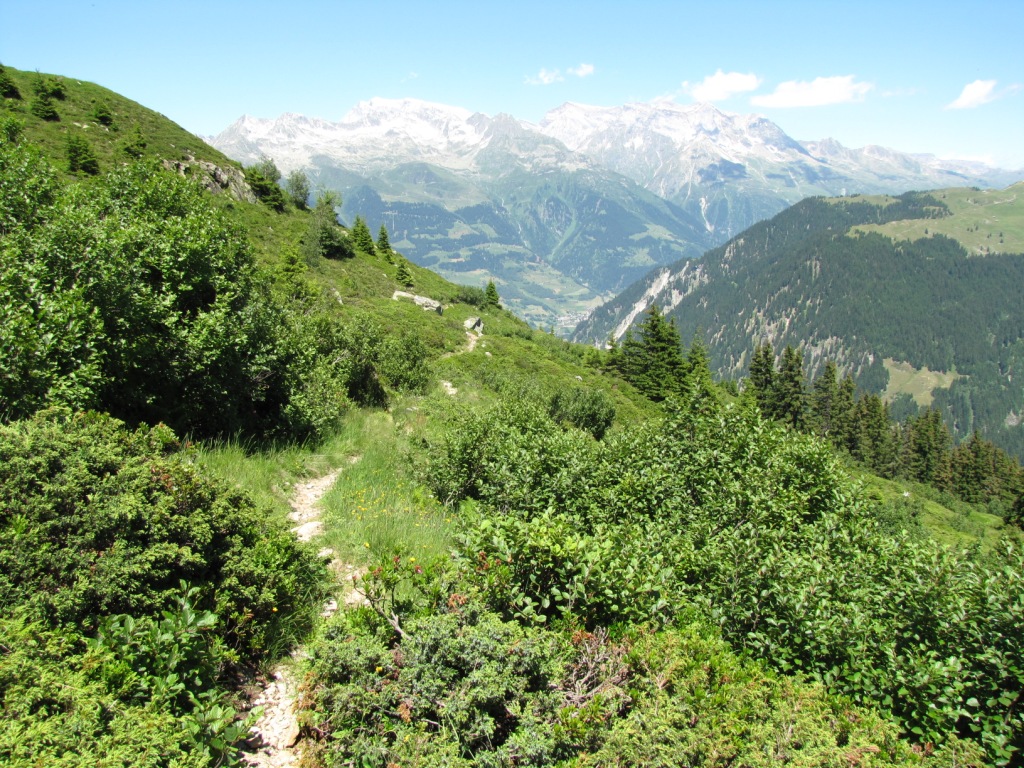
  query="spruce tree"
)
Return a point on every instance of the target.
[
  {"x": 404, "y": 275},
  {"x": 653, "y": 359},
  {"x": 925, "y": 456},
  {"x": 384, "y": 245},
  {"x": 790, "y": 390},
  {"x": 761, "y": 378},
  {"x": 8, "y": 89},
  {"x": 844, "y": 433},
  {"x": 361, "y": 237},
  {"x": 80, "y": 156},
  {"x": 823, "y": 399},
  {"x": 491, "y": 297}
]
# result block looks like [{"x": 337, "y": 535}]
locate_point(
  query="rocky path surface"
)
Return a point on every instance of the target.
[{"x": 275, "y": 736}]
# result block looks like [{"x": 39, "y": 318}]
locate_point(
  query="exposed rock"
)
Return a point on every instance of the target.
[
  {"x": 422, "y": 301},
  {"x": 474, "y": 324},
  {"x": 215, "y": 178}
]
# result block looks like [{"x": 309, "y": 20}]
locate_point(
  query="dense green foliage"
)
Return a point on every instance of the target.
[
  {"x": 758, "y": 529},
  {"x": 920, "y": 448},
  {"x": 169, "y": 319},
  {"x": 101, "y": 529},
  {"x": 444, "y": 681},
  {"x": 707, "y": 589}
]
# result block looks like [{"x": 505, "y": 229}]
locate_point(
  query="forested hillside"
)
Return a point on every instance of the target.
[
  {"x": 526, "y": 553},
  {"x": 814, "y": 278}
]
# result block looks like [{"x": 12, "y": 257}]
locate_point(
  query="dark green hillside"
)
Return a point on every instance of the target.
[{"x": 805, "y": 279}]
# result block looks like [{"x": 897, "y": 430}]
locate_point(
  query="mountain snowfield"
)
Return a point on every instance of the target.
[{"x": 565, "y": 213}]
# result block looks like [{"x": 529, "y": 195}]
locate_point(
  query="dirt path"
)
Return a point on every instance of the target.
[
  {"x": 471, "y": 340},
  {"x": 275, "y": 736}
]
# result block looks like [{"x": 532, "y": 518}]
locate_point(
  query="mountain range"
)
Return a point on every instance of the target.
[{"x": 565, "y": 213}]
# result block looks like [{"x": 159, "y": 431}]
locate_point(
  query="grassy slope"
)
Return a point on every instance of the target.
[
  {"x": 165, "y": 139},
  {"x": 919, "y": 383},
  {"x": 983, "y": 221}
]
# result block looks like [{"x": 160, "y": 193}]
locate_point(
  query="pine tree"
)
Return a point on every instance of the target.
[
  {"x": 80, "y": 156},
  {"x": 761, "y": 378},
  {"x": 790, "y": 390},
  {"x": 491, "y": 297},
  {"x": 823, "y": 399},
  {"x": 384, "y": 245},
  {"x": 361, "y": 237},
  {"x": 404, "y": 275}
]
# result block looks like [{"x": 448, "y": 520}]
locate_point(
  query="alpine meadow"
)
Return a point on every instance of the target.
[{"x": 274, "y": 493}]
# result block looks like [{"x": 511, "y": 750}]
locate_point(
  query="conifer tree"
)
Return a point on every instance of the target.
[
  {"x": 8, "y": 89},
  {"x": 790, "y": 391},
  {"x": 843, "y": 431},
  {"x": 613, "y": 361},
  {"x": 404, "y": 275},
  {"x": 80, "y": 156},
  {"x": 491, "y": 297},
  {"x": 361, "y": 237},
  {"x": 876, "y": 444},
  {"x": 823, "y": 399},
  {"x": 134, "y": 143},
  {"x": 926, "y": 449},
  {"x": 761, "y": 378},
  {"x": 652, "y": 361},
  {"x": 698, "y": 361},
  {"x": 384, "y": 245}
]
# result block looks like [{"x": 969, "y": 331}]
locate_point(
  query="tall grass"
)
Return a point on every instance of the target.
[{"x": 376, "y": 505}]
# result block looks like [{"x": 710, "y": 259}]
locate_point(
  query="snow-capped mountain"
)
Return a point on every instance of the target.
[
  {"x": 565, "y": 212},
  {"x": 725, "y": 166}
]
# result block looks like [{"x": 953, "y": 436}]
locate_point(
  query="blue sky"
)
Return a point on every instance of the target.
[{"x": 940, "y": 76}]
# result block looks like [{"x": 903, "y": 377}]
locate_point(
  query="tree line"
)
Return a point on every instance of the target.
[{"x": 920, "y": 448}]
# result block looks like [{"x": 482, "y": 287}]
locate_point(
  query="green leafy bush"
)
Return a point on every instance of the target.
[
  {"x": 759, "y": 530},
  {"x": 588, "y": 409},
  {"x": 443, "y": 681},
  {"x": 98, "y": 521}
]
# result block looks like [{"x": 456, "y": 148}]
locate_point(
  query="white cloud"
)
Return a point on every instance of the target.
[
  {"x": 545, "y": 77},
  {"x": 816, "y": 93},
  {"x": 975, "y": 94},
  {"x": 583, "y": 70},
  {"x": 722, "y": 85}
]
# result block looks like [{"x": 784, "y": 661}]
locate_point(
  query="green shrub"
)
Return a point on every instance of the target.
[
  {"x": 588, "y": 409},
  {"x": 98, "y": 521},
  {"x": 442, "y": 680},
  {"x": 758, "y": 529}
]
